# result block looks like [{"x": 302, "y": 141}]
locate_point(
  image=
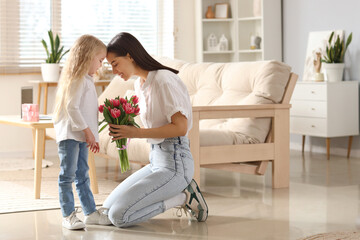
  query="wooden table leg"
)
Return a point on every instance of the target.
[
  {"x": 39, "y": 138},
  {"x": 45, "y": 98},
  {"x": 328, "y": 148},
  {"x": 39, "y": 95},
  {"x": 349, "y": 146},
  {"x": 92, "y": 173},
  {"x": 34, "y": 140},
  {"x": 45, "y": 112},
  {"x": 303, "y": 143},
  {"x": 38, "y": 102}
]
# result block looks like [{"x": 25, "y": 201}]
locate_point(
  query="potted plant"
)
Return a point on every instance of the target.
[
  {"x": 334, "y": 57},
  {"x": 51, "y": 69}
]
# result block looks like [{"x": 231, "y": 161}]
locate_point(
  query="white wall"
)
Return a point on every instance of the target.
[
  {"x": 184, "y": 29},
  {"x": 14, "y": 138},
  {"x": 303, "y": 16}
]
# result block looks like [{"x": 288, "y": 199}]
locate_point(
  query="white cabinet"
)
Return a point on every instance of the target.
[
  {"x": 238, "y": 28},
  {"x": 326, "y": 109}
]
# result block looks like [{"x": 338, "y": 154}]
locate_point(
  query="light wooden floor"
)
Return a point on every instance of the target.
[{"x": 323, "y": 197}]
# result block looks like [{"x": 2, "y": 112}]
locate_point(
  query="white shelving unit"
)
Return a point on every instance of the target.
[{"x": 238, "y": 29}]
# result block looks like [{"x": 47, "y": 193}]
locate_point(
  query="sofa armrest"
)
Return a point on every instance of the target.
[
  {"x": 280, "y": 127},
  {"x": 238, "y": 111}
]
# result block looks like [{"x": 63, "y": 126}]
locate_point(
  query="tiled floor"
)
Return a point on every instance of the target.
[{"x": 323, "y": 197}]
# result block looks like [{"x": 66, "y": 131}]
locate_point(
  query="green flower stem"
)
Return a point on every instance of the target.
[{"x": 123, "y": 157}]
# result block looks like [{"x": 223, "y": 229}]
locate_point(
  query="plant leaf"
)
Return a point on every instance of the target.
[
  {"x": 51, "y": 37},
  {"x": 330, "y": 38},
  {"x": 348, "y": 41},
  {"x": 45, "y": 46},
  {"x": 101, "y": 122},
  {"x": 58, "y": 54},
  {"x": 57, "y": 44},
  {"x": 107, "y": 116},
  {"x": 103, "y": 127}
]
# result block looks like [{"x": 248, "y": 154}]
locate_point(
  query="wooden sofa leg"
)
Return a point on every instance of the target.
[
  {"x": 281, "y": 163},
  {"x": 195, "y": 146},
  {"x": 92, "y": 173}
]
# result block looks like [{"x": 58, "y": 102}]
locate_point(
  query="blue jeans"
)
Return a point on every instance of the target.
[
  {"x": 141, "y": 196},
  {"x": 74, "y": 167}
]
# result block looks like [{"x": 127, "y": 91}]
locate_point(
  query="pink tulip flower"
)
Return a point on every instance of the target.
[
  {"x": 122, "y": 101},
  {"x": 137, "y": 110},
  {"x": 128, "y": 108},
  {"x": 101, "y": 108},
  {"x": 115, "y": 102},
  {"x": 115, "y": 113},
  {"x": 135, "y": 99}
]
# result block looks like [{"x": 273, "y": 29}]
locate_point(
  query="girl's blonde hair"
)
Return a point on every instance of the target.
[{"x": 75, "y": 69}]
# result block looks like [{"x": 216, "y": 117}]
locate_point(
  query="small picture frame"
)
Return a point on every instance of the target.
[{"x": 222, "y": 10}]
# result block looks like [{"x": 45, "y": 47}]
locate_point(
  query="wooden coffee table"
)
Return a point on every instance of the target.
[{"x": 38, "y": 129}]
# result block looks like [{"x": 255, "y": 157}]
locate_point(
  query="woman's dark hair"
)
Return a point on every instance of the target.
[{"x": 124, "y": 43}]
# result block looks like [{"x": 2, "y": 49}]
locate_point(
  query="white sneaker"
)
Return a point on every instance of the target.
[
  {"x": 99, "y": 217},
  {"x": 72, "y": 222}
]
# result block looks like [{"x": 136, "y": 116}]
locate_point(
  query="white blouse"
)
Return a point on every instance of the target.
[
  {"x": 83, "y": 113},
  {"x": 162, "y": 95}
]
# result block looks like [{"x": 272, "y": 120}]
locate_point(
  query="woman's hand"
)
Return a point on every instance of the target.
[{"x": 122, "y": 131}]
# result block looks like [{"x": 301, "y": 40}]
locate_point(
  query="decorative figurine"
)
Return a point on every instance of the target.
[
  {"x": 223, "y": 43},
  {"x": 318, "y": 76},
  {"x": 255, "y": 42},
  {"x": 212, "y": 43}
]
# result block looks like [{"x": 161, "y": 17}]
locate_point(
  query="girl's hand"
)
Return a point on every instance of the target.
[
  {"x": 89, "y": 137},
  {"x": 95, "y": 148},
  {"x": 122, "y": 131}
]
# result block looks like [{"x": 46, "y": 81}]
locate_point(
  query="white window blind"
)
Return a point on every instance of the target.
[{"x": 25, "y": 22}]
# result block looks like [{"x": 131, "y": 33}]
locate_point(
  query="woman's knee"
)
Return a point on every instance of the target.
[{"x": 116, "y": 215}]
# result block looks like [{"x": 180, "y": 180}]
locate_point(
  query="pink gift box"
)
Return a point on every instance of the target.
[{"x": 30, "y": 112}]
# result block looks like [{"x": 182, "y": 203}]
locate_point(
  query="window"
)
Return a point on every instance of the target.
[{"x": 23, "y": 23}]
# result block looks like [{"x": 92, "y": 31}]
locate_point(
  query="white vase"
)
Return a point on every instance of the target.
[
  {"x": 50, "y": 72},
  {"x": 334, "y": 71}
]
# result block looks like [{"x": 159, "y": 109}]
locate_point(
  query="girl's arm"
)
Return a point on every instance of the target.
[{"x": 177, "y": 127}]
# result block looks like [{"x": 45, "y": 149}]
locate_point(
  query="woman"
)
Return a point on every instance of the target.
[{"x": 166, "y": 113}]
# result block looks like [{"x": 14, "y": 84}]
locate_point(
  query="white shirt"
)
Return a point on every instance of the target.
[
  {"x": 83, "y": 113},
  {"x": 162, "y": 95}
]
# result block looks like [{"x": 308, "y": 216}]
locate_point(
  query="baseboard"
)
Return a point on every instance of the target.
[{"x": 355, "y": 153}]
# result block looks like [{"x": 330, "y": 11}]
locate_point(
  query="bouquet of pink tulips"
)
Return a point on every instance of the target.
[{"x": 120, "y": 111}]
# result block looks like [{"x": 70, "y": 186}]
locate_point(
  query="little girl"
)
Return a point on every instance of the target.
[
  {"x": 76, "y": 126},
  {"x": 166, "y": 113}
]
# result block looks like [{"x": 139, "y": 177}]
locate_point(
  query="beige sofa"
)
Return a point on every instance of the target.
[{"x": 240, "y": 115}]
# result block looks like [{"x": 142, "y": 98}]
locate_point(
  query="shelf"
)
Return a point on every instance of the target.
[
  {"x": 250, "y": 19},
  {"x": 251, "y": 51},
  {"x": 218, "y": 20},
  {"x": 218, "y": 52},
  {"x": 243, "y": 22}
]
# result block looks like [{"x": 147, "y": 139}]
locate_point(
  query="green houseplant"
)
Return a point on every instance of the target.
[
  {"x": 334, "y": 57},
  {"x": 50, "y": 70}
]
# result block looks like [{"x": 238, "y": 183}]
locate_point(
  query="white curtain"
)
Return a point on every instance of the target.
[{"x": 23, "y": 23}]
